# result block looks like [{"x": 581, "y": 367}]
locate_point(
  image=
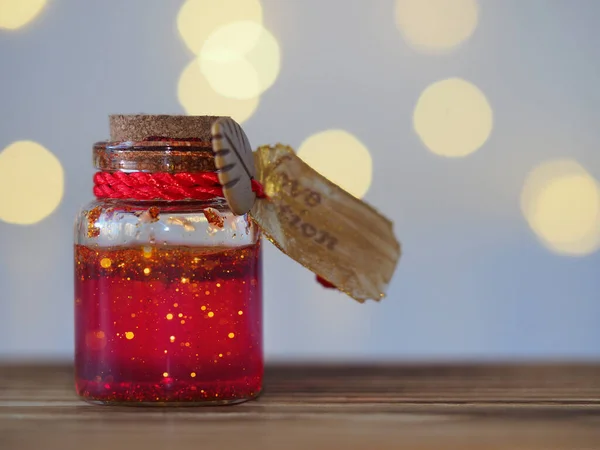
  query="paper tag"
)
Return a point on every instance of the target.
[{"x": 324, "y": 228}]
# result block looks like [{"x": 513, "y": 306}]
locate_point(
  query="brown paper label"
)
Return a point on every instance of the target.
[{"x": 324, "y": 228}]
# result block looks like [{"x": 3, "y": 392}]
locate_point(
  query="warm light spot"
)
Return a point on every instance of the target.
[
  {"x": 166, "y": 352},
  {"x": 340, "y": 157},
  {"x": 240, "y": 312},
  {"x": 132, "y": 314},
  {"x": 16, "y": 13},
  {"x": 180, "y": 315},
  {"x": 172, "y": 339},
  {"x": 561, "y": 203},
  {"x": 206, "y": 292},
  {"x": 453, "y": 118},
  {"x": 96, "y": 340},
  {"x": 185, "y": 280},
  {"x": 165, "y": 374},
  {"x": 182, "y": 322},
  {"x": 240, "y": 60},
  {"x": 175, "y": 305},
  {"x": 31, "y": 182},
  {"x": 436, "y": 25},
  {"x": 203, "y": 308},
  {"x": 220, "y": 355},
  {"x": 197, "y": 19},
  {"x": 147, "y": 252},
  {"x": 218, "y": 285},
  {"x": 211, "y": 314},
  {"x": 169, "y": 316},
  {"x": 187, "y": 344},
  {"x": 147, "y": 270},
  {"x": 193, "y": 374},
  {"x": 231, "y": 335},
  {"x": 129, "y": 335},
  {"x": 105, "y": 263},
  {"x": 198, "y": 98}
]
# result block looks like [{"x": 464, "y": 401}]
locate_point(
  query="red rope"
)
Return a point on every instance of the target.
[{"x": 162, "y": 186}]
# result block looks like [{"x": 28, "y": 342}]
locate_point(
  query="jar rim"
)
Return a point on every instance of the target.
[{"x": 159, "y": 155}]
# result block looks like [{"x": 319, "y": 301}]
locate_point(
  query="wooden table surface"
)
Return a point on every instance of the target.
[{"x": 413, "y": 407}]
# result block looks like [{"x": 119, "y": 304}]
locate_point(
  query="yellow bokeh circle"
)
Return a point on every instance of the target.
[
  {"x": 340, "y": 157},
  {"x": 17, "y": 13},
  {"x": 240, "y": 60},
  {"x": 31, "y": 183},
  {"x": 198, "y": 98},
  {"x": 453, "y": 118},
  {"x": 561, "y": 203},
  {"x": 436, "y": 25},
  {"x": 198, "y": 19}
]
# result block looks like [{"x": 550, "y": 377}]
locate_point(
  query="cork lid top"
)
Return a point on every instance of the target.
[{"x": 140, "y": 127}]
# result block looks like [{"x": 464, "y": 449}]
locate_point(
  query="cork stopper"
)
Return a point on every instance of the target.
[{"x": 125, "y": 128}]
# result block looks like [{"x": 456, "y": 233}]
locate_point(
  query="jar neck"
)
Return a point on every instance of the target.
[
  {"x": 157, "y": 169},
  {"x": 154, "y": 156}
]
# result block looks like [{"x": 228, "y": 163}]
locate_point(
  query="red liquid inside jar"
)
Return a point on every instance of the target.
[{"x": 168, "y": 324}]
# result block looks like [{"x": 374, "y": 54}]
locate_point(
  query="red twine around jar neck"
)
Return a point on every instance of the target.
[{"x": 162, "y": 186}]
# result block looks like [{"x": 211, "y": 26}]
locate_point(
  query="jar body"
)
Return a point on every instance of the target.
[{"x": 168, "y": 303}]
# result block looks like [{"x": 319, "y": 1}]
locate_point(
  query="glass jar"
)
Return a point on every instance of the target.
[{"x": 168, "y": 301}]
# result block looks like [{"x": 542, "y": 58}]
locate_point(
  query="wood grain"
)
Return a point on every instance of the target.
[{"x": 415, "y": 407}]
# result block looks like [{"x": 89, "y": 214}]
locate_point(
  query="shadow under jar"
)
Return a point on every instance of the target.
[{"x": 168, "y": 301}]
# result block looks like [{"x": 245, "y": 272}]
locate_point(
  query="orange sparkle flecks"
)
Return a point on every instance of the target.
[
  {"x": 129, "y": 335},
  {"x": 105, "y": 263},
  {"x": 172, "y": 339},
  {"x": 147, "y": 271},
  {"x": 203, "y": 308},
  {"x": 180, "y": 315},
  {"x": 240, "y": 312},
  {"x": 231, "y": 335},
  {"x": 92, "y": 216},
  {"x": 193, "y": 374},
  {"x": 169, "y": 316},
  {"x": 211, "y": 314}
]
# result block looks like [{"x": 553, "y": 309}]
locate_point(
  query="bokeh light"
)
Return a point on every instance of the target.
[
  {"x": 561, "y": 203},
  {"x": 17, "y": 13},
  {"x": 240, "y": 60},
  {"x": 453, "y": 118},
  {"x": 198, "y": 19},
  {"x": 31, "y": 183},
  {"x": 436, "y": 25},
  {"x": 198, "y": 98},
  {"x": 340, "y": 157}
]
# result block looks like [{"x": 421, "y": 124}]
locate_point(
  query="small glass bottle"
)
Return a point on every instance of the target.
[{"x": 168, "y": 301}]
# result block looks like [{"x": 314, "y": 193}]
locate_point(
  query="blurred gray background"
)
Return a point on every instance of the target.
[{"x": 481, "y": 277}]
